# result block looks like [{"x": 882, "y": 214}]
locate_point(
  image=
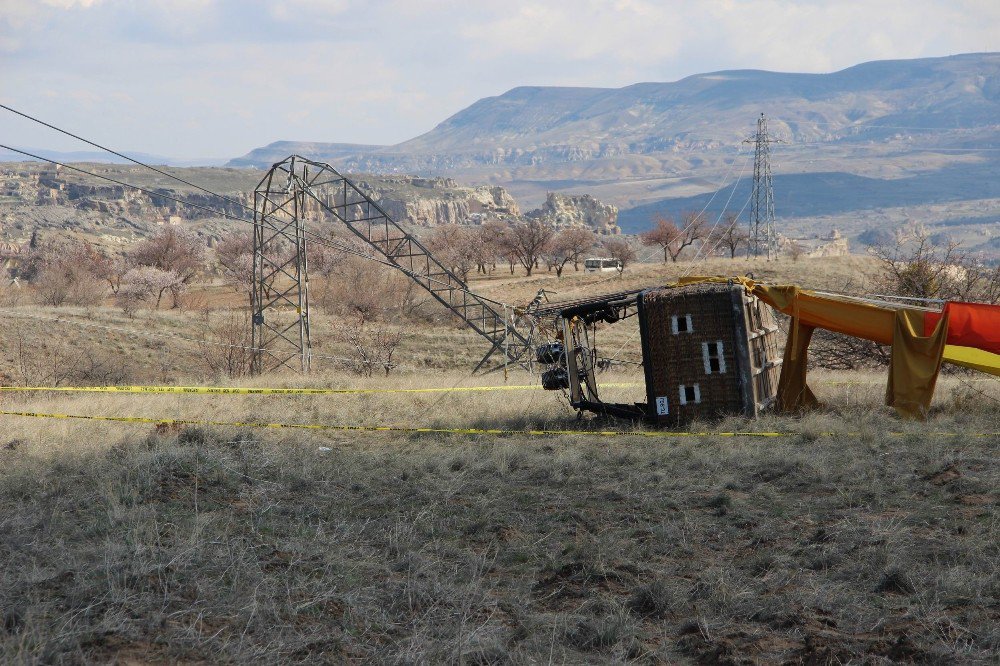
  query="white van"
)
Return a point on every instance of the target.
[{"x": 600, "y": 264}]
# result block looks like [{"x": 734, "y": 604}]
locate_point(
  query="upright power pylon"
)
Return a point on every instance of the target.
[{"x": 763, "y": 237}]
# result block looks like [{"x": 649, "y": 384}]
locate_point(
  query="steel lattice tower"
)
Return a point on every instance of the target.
[
  {"x": 763, "y": 237},
  {"x": 280, "y": 297},
  {"x": 298, "y": 189}
]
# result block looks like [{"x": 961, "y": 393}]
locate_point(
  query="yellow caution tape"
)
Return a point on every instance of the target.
[
  {"x": 404, "y": 429},
  {"x": 232, "y": 390},
  {"x": 463, "y": 431}
]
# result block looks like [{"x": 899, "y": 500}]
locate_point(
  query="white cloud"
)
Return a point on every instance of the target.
[
  {"x": 628, "y": 30},
  {"x": 233, "y": 74},
  {"x": 288, "y": 10},
  {"x": 71, "y": 4}
]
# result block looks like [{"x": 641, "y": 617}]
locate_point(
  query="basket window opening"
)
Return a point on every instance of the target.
[
  {"x": 681, "y": 324},
  {"x": 690, "y": 393},
  {"x": 711, "y": 353}
]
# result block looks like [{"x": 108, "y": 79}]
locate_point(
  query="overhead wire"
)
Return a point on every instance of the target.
[
  {"x": 198, "y": 187},
  {"x": 721, "y": 187},
  {"x": 736, "y": 220},
  {"x": 126, "y": 184},
  {"x": 695, "y": 218},
  {"x": 188, "y": 183},
  {"x": 122, "y": 155},
  {"x": 723, "y": 211},
  {"x": 313, "y": 236}
]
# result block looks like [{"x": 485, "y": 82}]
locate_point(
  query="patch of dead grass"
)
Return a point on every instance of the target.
[{"x": 217, "y": 544}]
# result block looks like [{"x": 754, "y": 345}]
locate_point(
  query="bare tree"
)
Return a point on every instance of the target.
[
  {"x": 556, "y": 255},
  {"x": 491, "y": 244},
  {"x": 528, "y": 242},
  {"x": 672, "y": 238},
  {"x": 145, "y": 284},
  {"x": 507, "y": 249},
  {"x": 577, "y": 243},
  {"x": 457, "y": 247},
  {"x": 662, "y": 234},
  {"x": 694, "y": 229},
  {"x": 731, "y": 235},
  {"x": 622, "y": 250},
  {"x": 918, "y": 268},
  {"x": 235, "y": 255},
  {"x": 65, "y": 273},
  {"x": 356, "y": 287},
  {"x": 171, "y": 250},
  {"x": 226, "y": 344},
  {"x": 111, "y": 269},
  {"x": 566, "y": 247},
  {"x": 374, "y": 348}
]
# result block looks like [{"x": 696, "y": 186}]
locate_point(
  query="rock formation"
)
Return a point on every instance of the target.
[
  {"x": 562, "y": 210},
  {"x": 39, "y": 196},
  {"x": 429, "y": 202},
  {"x": 832, "y": 244}
]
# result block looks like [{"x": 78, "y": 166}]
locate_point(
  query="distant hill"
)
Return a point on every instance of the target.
[
  {"x": 267, "y": 155},
  {"x": 886, "y": 126},
  {"x": 105, "y": 158},
  {"x": 832, "y": 193},
  {"x": 524, "y": 126}
]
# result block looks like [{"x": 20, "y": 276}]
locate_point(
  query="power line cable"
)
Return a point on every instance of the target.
[
  {"x": 186, "y": 182},
  {"x": 723, "y": 211},
  {"x": 125, "y": 184},
  {"x": 721, "y": 187},
  {"x": 123, "y": 156},
  {"x": 313, "y": 236},
  {"x": 735, "y": 221}
]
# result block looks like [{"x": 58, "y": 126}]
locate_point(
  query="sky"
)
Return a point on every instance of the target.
[{"x": 216, "y": 78}]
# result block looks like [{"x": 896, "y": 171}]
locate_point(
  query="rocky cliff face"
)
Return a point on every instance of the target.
[
  {"x": 36, "y": 196},
  {"x": 429, "y": 202},
  {"x": 828, "y": 245},
  {"x": 563, "y": 210}
]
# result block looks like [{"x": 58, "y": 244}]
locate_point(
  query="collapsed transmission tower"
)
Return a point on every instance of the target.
[
  {"x": 763, "y": 237},
  {"x": 297, "y": 190},
  {"x": 279, "y": 299}
]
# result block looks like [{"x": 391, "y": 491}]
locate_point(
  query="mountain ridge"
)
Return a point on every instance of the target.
[
  {"x": 527, "y": 125},
  {"x": 855, "y": 141}
]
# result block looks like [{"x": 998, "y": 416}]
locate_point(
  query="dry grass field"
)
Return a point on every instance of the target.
[{"x": 853, "y": 537}]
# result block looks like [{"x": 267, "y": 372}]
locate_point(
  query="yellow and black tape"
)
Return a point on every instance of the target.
[
  {"x": 235, "y": 390},
  {"x": 460, "y": 431},
  {"x": 401, "y": 429}
]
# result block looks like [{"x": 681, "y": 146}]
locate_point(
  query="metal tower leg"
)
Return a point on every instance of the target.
[{"x": 296, "y": 189}]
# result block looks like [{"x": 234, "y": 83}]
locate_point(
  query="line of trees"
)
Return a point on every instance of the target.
[
  {"x": 727, "y": 236},
  {"x": 530, "y": 244},
  {"x": 75, "y": 273},
  {"x": 156, "y": 272}
]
